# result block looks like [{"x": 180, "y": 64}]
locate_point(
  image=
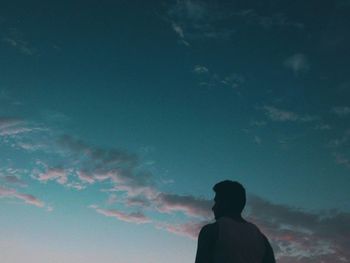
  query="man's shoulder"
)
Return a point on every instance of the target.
[
  {"x": 209, "y": 227},
  {"x": 209, "y": 231}
]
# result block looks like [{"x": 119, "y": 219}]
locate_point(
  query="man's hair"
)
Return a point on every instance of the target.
[{"x": 231, "y": 195}]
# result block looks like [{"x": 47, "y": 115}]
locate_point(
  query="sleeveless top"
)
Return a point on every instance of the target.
[{"x": 238, "y": 242}]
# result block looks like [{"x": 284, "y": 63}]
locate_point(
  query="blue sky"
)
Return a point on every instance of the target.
[{"x": 116, "y": 120}]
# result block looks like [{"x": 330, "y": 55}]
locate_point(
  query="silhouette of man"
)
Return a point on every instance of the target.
[{"x": 231, "y": 239}]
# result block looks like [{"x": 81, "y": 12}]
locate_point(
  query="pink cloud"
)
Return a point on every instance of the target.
[
  {"x": 190, "y": 229},
  {"x": 189, "y": 205},
  {"x": 296, "y": 235},
  {"x": 57, "y": 174},
  {"x": 6, "y": 122},
  {"x": 84, "y": 177},
  {"x": 27, "y": 198},
  {"x": 135, "y": 217}
]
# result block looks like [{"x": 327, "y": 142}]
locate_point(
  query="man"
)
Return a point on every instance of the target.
[{"x": 231, "y": 239}]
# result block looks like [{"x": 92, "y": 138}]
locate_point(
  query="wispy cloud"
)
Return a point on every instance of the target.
[
  {"x": 189, "y": 205},
  {"x": 258, "y": 123},
  {"x": 298, "y": 62},
  {"x": 88, "y": 178},
  {"x": 199, "y": 69},
  {"x": 179, "y": 31},
  {"x": 323, "y": 127},
  {"x": 27, "y": 198},
  {"x": 10, "y": 126},
  {"x": 98, "y": 155},
  {"x": 190, "y": 229},
  {"x": 57, "y": 174},
  {"x": 192, "y": 19},
  {"x": 341, "y": 111},
  {"x": 341, "y": 159},
  {"x": 135, "y": 217},
  {"x": 15, "y": 39},
  {"x": 300, "y": 235},
  {"x": 257, "y": 139},
  {"x": 276, "y": 114},
  {"x": 15, "y": 126},
  {"x": 341, "y": 140},
  {"x": 211, "y": 79},
  {"x": 199, "y": 19},
  {"x": 20, "y": 45},
  {"x": 251, "y": 16}
]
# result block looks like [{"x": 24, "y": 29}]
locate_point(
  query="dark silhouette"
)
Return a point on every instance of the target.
[{"x": 231, "y": 239}]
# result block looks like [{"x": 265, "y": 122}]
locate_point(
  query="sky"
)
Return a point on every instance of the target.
[{"x": 118, "y": 117}]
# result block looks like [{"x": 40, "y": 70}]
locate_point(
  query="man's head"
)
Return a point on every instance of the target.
[{"x": 230, "y": 199}]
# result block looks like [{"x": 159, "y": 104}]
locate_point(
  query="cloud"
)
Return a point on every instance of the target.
[
  {"x": 233, "y": 80},
  {"x": 178, "y": 30},
  {"x": 14, "y": 39},
  {"x": 84, "y": 177},
  {"x": 135, "y": 217},
  {"x": 298, "y": 63},
  {"x": 75, "y": 185},
  {"x": 280, "y": 115},
  {"x": 20, "y": 45},
  {"x": 15, "y": 180},
  {"x": 341, "y": 111},
  {"x": 251, "y": 16},
  {"x": 198, "y": 19},
  {"x": 276, "y": 114},
  {"x": 302, "y": 235},
  {"x": 119, "y": 168},
  {"x": 257, "y": 139},
  {"x": 213, "y": 80},
  {"x": 112, "y": 199},
  {"x": 96, "y": 154},
  {"x": 341, "y": 159},
  {"x": 200, "y": 69},
  {"x": 190, "y": 9},
  {"x": 14, "y": 131},
  {"x": 14, "y": 126},
  {"x": 297, "y": 235},
  {"x": 340, "y": 141},
  {"x": 57, "y": 174},
  {"x": 138, "y": 201},
  {"x": 258, "y": 123},
  {"x": 189, "y": 205},
  {"x": 9, "y": 126},
  {"x": 323, "y": 127},
  {"x": 190, "y": 229},
  {"x": 27, "y": 198},
  {"x": 8, "y": 122}
]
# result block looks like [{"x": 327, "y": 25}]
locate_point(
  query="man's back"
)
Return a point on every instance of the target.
[
  {"x": 231, "y": 241},
  {"x": 239, "y": 242}
]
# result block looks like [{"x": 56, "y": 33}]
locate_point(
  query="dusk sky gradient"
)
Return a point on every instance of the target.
[{"x": 118, "y": 117}]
